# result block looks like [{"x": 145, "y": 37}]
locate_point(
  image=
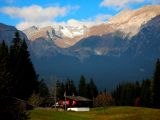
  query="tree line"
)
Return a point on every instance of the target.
[
  {"x": 85, "y": 88},
  {"x": 145, "y": 94}
]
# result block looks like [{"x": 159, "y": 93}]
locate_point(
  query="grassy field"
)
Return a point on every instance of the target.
[{"x": 112, "y": 113}]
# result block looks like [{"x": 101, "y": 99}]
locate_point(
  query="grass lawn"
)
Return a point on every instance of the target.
[{"x": 112, "y": 113}]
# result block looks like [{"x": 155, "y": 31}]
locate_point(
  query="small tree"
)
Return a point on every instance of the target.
[
  {"x": 103, "y": 100},
  {"x": 35, "y": 99}
]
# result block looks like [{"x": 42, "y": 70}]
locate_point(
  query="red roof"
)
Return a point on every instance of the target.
[{"x": 78, "y": 98}]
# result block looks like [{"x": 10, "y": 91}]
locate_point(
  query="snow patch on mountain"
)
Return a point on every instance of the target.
[
  {"x": 71, "y": 32},
  {"x": 55, "y": 31}
]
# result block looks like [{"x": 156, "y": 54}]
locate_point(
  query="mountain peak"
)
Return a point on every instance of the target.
[{"x": 130, "y": 21}]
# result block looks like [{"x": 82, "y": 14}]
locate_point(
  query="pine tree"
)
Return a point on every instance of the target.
[
  {"x": 146, "y": 93},
  {"x": 70, "y": 88},
  {"x": 60, "y": 90},
  {"x": 126, "y": 94},
  {"x": 24, "y": 75},
  {"x": 82, "y": 87},
  {"x": 43, "y": 90},
  {"x": 92, "y": 89},
  {"x": 9, "y": 107},
  {"x": 117, "y": 95},
  {"x": 156, "y": 86},
  {"x": 5, "y": 76}
]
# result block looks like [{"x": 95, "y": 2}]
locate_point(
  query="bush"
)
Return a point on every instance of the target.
[
  {"x": 103, "y": 100},
  {"x": 12, "y": 109}
]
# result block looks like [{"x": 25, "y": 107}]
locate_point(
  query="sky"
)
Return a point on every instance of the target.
[{"x": 26, "y": 13}]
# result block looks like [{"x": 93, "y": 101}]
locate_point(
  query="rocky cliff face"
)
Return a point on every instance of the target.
[
  {"x": 62, "y": 36},
  {"x": 130, "y": 21}
]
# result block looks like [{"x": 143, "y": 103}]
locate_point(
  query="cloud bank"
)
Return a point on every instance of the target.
[
  {"x": 46, "y": 16},
  {"x": 35, "y": 14}
]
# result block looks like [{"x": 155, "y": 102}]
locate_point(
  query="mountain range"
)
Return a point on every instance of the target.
[{"x": 123, "y": 49}]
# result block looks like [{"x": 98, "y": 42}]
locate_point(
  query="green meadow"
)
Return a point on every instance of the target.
[{"x": 111, "y": 113}]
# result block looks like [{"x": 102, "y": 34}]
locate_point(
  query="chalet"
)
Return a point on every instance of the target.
[{"x": 76, "y": 103}]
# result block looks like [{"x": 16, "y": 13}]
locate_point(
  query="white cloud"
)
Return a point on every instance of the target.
[
  {"x": 46, "y": 16},
  {"x": 75, "y": 23},
  {"x": 35, "y": 12},
  {"x": 99, "y": 19},
  {"x": 71, "y": 22},
  {"x": 119, "y": 4},
  {"x": 36, "y": 15},
  {"x": 27, "y": 24}
]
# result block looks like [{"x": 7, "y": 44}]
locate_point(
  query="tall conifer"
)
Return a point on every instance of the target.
[
  {"x": 24, "y": 75},
  {"x": 156, "y": 86}
]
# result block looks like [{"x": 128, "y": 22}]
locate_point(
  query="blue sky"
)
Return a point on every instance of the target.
[{"x": 26, "y": 13}]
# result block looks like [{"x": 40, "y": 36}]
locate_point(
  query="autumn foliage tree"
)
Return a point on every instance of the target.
[{"x": 103, "y": 100}]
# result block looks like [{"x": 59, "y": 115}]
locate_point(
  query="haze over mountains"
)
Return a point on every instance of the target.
[{"x": 123, "y": 49}]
